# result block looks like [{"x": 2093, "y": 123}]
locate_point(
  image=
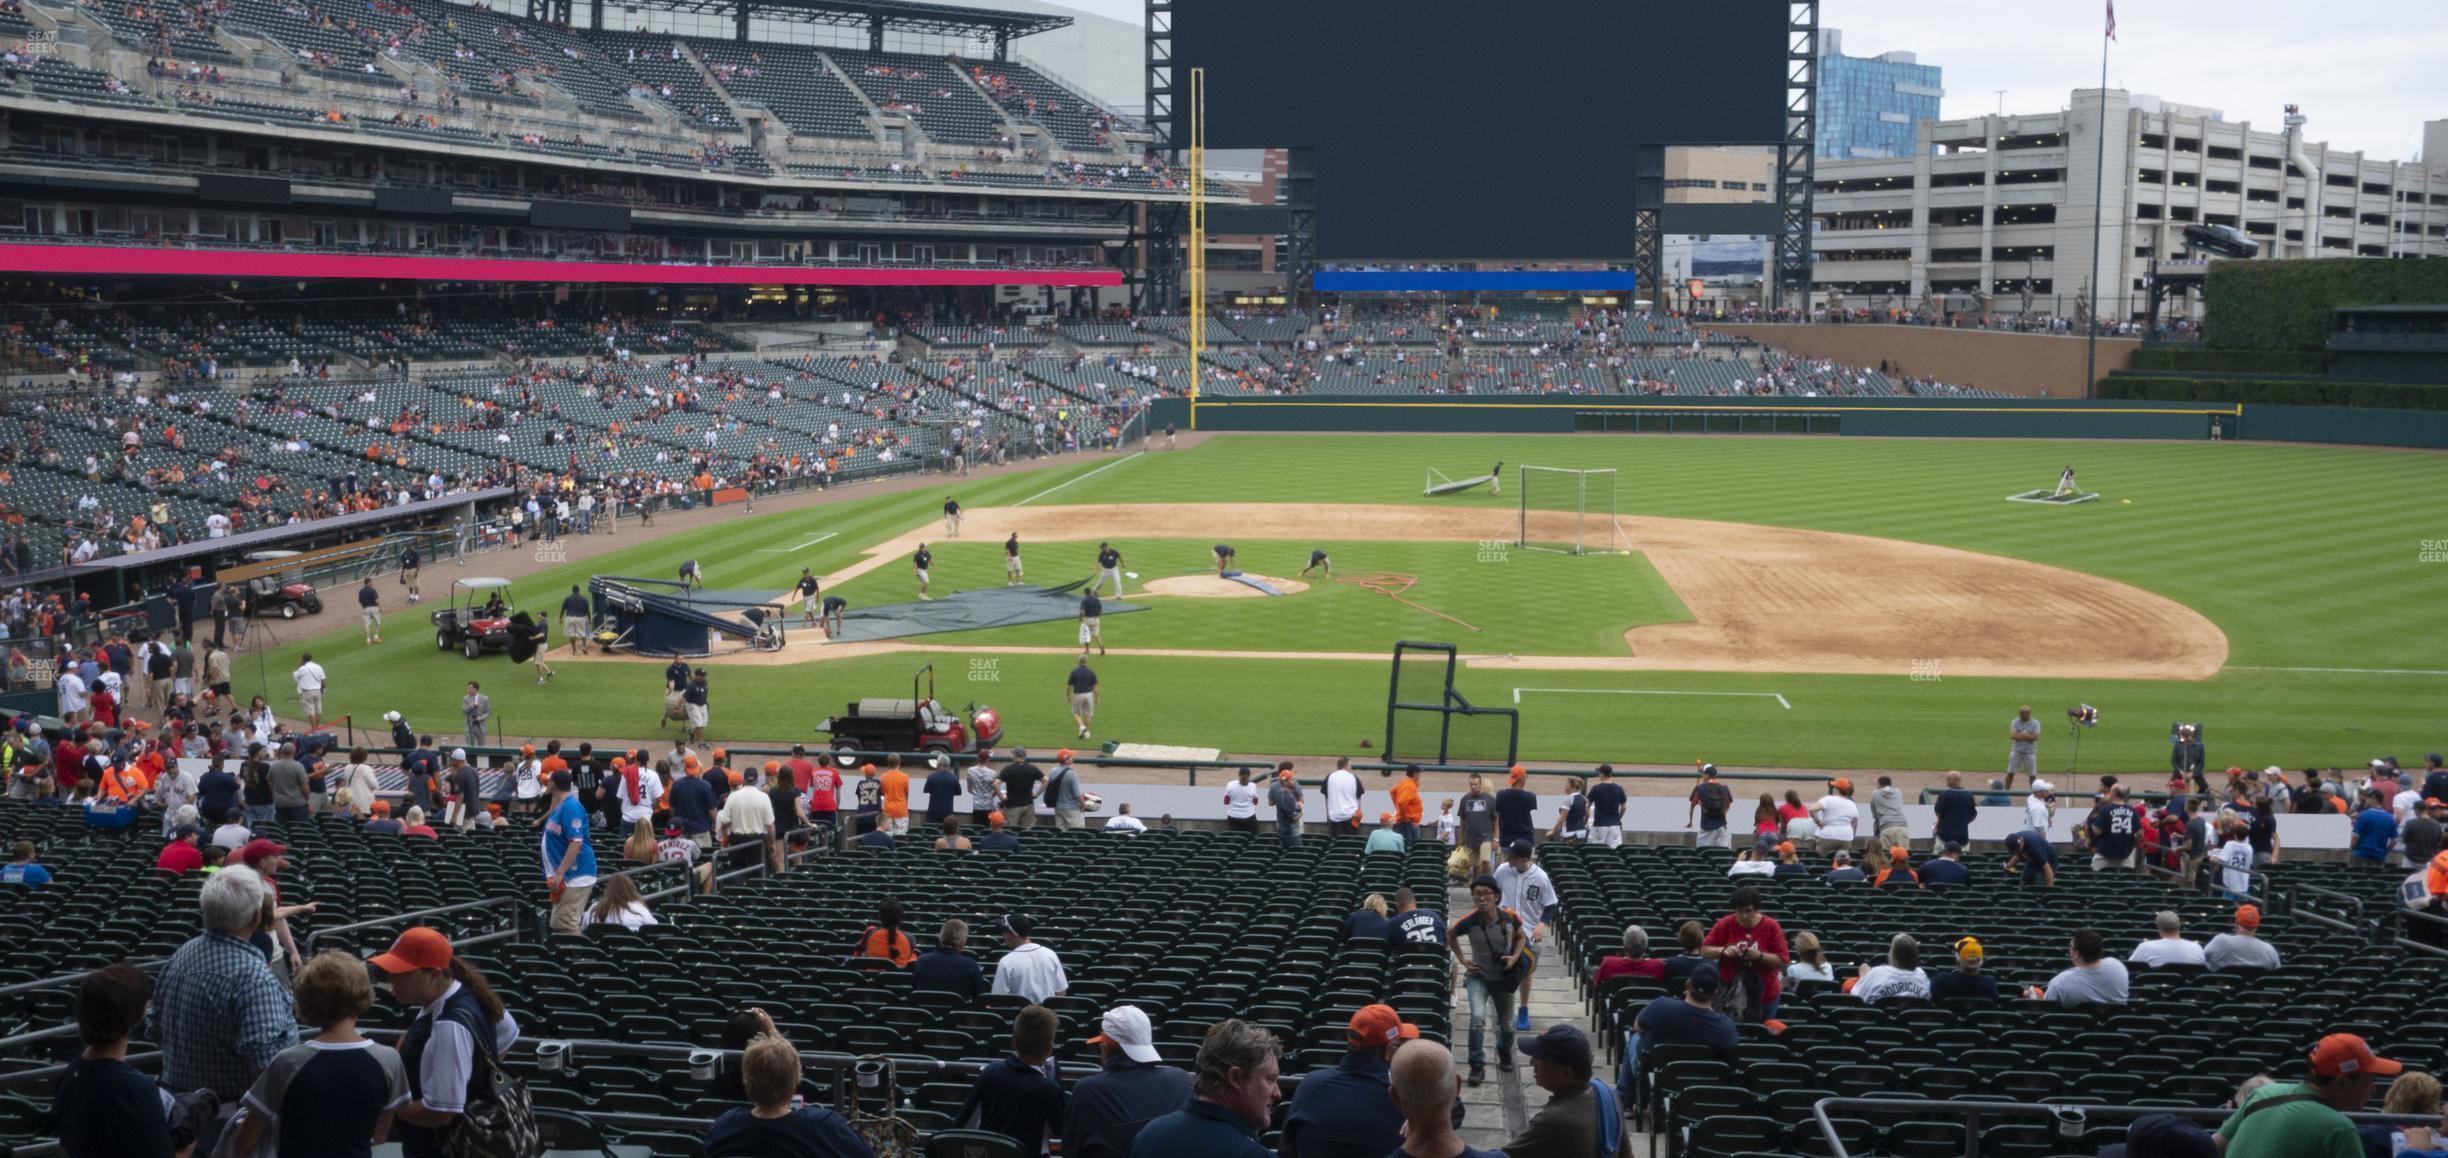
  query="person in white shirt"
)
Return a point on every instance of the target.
[
  {"x": 216, "y": 526},
  {"x": 310, "y": 680},
  {"x": 1343, "y": 798},
  {"x": 640, "y": 786},
  {"x": 1522, "y": 887},
  {"x": 1123, "y": 821},
  {"x": 2038, "y": 806},
  {"x": 1901, "y": 976},
  {"x": 73, "y": 697},
  {"x": 2243, "y": 947},
  {"x": 1240, "y": 804},
  {"x": 177, "y": 789},
  {"x": 1028, "y": 968},
  {"x": 620, "y": 905},
  {"x": 2235, "y": 857},
  {"x": 2169, "y": 947},
  {"x": 1837, "y": 816}
]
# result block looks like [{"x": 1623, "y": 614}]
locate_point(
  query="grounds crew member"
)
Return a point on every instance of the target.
[
  {"x": 1091, "y": 623},
  {"x": 574, "y": 615},
  {"x": 1011, "y": 560},
  {"x": 1109, "y": 566},
  {"x": 920, "y": 561}
]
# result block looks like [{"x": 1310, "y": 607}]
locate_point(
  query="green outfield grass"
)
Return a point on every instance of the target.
[
  {"x": 1527, "y": 603},
  {"x": 2307, "y": 557}
]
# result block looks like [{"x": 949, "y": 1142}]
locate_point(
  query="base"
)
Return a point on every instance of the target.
[{"x": 2053, "y": 499}]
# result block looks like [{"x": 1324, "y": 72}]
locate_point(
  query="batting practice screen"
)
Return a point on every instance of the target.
[{"x": 1453, "y": 129}]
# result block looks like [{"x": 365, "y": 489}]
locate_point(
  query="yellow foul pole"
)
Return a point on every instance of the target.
[{"x": 1198, "y": 237}]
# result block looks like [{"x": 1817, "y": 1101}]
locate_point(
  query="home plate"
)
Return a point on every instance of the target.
[{"x": 1163, "y": 753}]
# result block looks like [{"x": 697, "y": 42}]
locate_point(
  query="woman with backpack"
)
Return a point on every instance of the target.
[{"x": 452, "y": 1050}]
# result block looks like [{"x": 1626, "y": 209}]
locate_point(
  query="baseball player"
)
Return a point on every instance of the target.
[
  {"x": 1109, "y": 566},
  {"x": 921, "y": 561},
  {"x": 1091, "y": 623},
  {"x": 807, "y": 588},
  {"x": 831, "y": 617},
  {"x": 1223, "y": 557},
  {"x": 1317, "y": 559},
  {"x": 690, "y": 574},
  {"x": 1011, "y": 560},
  {"x": 1496, "y": 480},
  {"x": 952, "y": 517}
]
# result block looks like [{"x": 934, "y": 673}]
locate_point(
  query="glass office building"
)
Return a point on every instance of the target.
[{"x": 1868, "y": 105}]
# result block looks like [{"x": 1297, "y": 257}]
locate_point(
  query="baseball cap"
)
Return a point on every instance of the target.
[
  {"x": 1064, "y": 755},
  {"x": 1518, "y": 848},
  {"x": 1703, "y": 982},
  {"x": 2345, "y": 1053},
  {"x": 2248, "y": 916},
  {"x": 1841, "y": 784},
  {"x": 2043, "y": 786},
  {"x": 458, "y": 753},
  {"x": 995, "y": 817},
  {"x": 1517, "y": 774},
  {"x": 2435, "y": 802},
  {"x": 1019, "y": 753},
  {"x": 1785, "y": 848},
  {"x": 260, "y": 849},
  {"x": 561, "y": 781},
  {"x": 1953, "y": 846},
  {"x": 1708, "y": 769},
  {"x": 1376, "y": 1026},
  {"x": 1563, "y": 1045},
  {"x": 418, "y": 948},
  {"x": 1125, "y": 1027},
  {"x": 183, "y": 831},
  {"x": 1019, "y": 923},
  {"x": 1899, "y": 853},
  {"x": 1969, "y": 949}
]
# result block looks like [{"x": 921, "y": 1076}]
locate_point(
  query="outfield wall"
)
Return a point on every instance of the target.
[
  {"x": 1861, "y": 417},
  {"x": 1682, "y": 414},
  {"x": 2028, "y": 365}
]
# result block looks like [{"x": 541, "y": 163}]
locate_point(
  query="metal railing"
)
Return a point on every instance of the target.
[
  {"x": 408, "y": 918},
  {"x": 2070, "y": 1121}
]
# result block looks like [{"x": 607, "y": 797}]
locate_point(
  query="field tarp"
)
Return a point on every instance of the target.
[{"x": 971, "y": 611}]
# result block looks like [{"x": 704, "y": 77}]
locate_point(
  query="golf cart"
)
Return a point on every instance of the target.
[
  {"x": 917, "y": 724},
  {"x": 477, "y": 619},
  {"x": 281, "y": 591}
]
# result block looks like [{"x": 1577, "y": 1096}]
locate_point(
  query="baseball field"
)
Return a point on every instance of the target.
[{"x": 1846, "y": 603}]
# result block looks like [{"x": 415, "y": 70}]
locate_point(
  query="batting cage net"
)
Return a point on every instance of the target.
[{"x": 1428, "y": 721}]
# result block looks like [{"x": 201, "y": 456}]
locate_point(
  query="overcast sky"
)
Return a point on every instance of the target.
[{"x": 2367, "y": 72}]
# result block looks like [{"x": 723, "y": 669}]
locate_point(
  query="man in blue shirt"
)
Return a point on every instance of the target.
[
  {"x": 1016, "y": 1096},
  {"x": 1947, "y": 868},
  {"x": 997, "y": 837},
  {"x": 1956, "y": 806},
  {"x": 1236, "y": 1080},
  {"x": 947, "y": 968},
  {"x": 693, "y": 806},
  {"x": 2031, "y": 851},
  {"x": 942, "y": 788},
  {"x": 1691, "y": 1019},
  {"x": 1606, "y": 799},
  {"x": 1515, "y": 809},
  {"x": 2374, "y": 830},
  {"x": 2114, "y": 828},
  {"x": 569, "y": 859},
  {"x": 1344, "y": 1112},
  {"x": 1110, "y": 1107}
]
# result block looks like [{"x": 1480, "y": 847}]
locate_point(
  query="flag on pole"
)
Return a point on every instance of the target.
[{"x": 2111, "y": 19}]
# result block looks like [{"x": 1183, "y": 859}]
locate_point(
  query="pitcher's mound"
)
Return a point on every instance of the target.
[{"x": 1211, "y": 587}]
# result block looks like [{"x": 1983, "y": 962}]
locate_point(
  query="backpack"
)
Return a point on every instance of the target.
[
  {"x": 2414, "y": 892},
  {"x": 502, "y": 1126}
]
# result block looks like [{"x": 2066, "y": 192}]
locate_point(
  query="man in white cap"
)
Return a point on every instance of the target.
[
  {"x": 2038, "y": 806},
  {"x": 1134, "y": 1088}
]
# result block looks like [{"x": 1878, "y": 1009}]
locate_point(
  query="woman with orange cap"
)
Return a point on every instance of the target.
[{"x": 459, "y": 1021}]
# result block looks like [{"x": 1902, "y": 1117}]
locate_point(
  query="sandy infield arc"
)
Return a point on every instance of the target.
[
  {"x": 1214, "y": 587},
  {"x": 1763, "y": 599}
]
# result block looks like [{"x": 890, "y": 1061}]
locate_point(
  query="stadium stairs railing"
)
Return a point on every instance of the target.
[{"x": 2070, "y": 1121}]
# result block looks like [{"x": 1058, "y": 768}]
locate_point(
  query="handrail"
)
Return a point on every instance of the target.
[
  {"x": 396, "y": 918},
  {"x": 65, "y": 980},
  {"x": 2074, "y": 1115}
]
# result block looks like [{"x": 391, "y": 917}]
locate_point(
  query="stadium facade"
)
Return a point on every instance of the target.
[
  {"x": 432, "y": 129},
  {"x": 2003, "y": 205},
  {"x": 1870, "y": 106}
]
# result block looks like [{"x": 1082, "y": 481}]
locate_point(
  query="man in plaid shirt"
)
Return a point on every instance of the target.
[{"x": 218, "y": 1012}]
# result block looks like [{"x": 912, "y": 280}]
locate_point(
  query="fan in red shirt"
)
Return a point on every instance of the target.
[
  {"x": 181, "y": 855},
  {"x": 1751, "y": 954},
  {"x": 1635, "y": 962}
]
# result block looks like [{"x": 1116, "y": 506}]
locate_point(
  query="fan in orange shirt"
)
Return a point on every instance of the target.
[
  {"x": 895, "y": 784},
  {"x": 1408, "y": 808}
]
